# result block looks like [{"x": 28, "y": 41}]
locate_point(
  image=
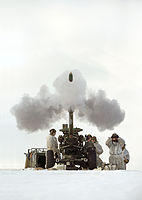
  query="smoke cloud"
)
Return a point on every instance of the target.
[
  {"x": 37, "y": 113},
  {"x": 70, "y": 94},
  {"x": 101, "y": 111},
  {"x": 41, "y": 111}
]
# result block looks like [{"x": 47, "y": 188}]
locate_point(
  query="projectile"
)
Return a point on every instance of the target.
[{"x": 70, "y": 77}]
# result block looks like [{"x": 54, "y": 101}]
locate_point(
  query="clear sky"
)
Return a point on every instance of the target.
[{"x": 39, "y": 40}]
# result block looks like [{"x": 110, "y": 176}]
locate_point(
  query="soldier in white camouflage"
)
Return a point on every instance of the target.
[
  {"x": 99, "y": 151},
  {"x": 126, "y": 156},
  {"x": 115, "y": 144},
  {"x": 52, "y": 143}
]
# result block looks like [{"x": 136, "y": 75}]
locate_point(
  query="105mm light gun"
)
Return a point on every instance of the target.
[{"x": 75, "y": 150}]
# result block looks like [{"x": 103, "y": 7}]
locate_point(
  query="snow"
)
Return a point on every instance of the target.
[{"x": 70, "y": 185}]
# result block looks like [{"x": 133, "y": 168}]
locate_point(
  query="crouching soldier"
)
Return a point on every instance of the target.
[
  {"x": 99, "y": 151},
  {"x": 52, "y": 149},
  {"x": 126, "y": 156},
  {"x": 115, "y": 144}
]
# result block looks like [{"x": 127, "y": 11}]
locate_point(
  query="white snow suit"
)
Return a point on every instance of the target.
[
  {"x": 99, "y": 151},
  {"x": 52, "y": 143},
  {"x": 115, "y": 150},
  {"x": 126, "y": 156}
]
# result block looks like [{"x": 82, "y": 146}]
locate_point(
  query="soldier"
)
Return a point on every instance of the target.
[
  {"x": 90, "y": 150},
  {"x": 99, "y": 151},
  {"x": 126, "y": 155},
  {"x": 88, "y": 143},
  {"x": 88, "y": 137},
  {"x": 115, "y": 144},
  {"x": 52, "y": 143}
]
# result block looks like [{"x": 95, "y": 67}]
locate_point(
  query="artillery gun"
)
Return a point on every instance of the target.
[{"x": 75, "y": 151}]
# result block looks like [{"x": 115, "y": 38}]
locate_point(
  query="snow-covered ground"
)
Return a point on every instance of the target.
[{"x": 70, "y": 185}]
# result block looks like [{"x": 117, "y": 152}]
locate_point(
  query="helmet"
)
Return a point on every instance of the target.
[
  {"x": 88, "y": 137},
  {"x": 52, "y": 130},
  {"x": 94, "y": 138},
  {"x": 114, "y": 135}
]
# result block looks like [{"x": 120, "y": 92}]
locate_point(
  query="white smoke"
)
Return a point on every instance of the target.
[
  {"x": 44, "y": 109},
  {"x": 101, "y": 111},
  {"x": 37, "y": 113},
  {"x": 70, "y": 94}
]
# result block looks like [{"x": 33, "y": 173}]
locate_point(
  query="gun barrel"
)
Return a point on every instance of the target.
[{"x": 71, "y": 122}]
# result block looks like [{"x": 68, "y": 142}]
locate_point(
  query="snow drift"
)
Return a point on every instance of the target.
[{"x": 77, "y": 185}]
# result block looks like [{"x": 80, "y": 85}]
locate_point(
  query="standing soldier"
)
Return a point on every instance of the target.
[
  {"x": 126, "y": 155},
  {"x": 52, "y": 149},
  {"x": 115, "y": 144},
  {"x": 99, "y": 151},
  {"x": 52, "y": 143}
]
